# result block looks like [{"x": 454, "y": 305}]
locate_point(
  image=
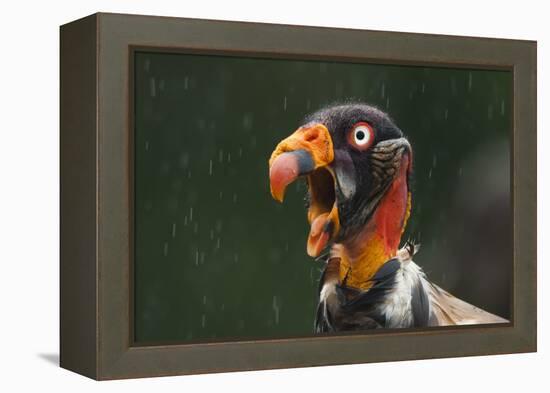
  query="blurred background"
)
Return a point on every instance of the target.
[{"x": 217, "y": 258}]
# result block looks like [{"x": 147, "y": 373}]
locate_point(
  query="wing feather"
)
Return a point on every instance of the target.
[{"x": 450, "y": 310}]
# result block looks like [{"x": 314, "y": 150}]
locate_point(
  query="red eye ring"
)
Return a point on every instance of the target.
[{"x": 361, "y": 136}]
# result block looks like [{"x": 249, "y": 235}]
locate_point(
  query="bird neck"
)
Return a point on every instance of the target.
[{"x": 362, "y": 256}]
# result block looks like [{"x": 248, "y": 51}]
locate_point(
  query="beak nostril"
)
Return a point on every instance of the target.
[{"x": 311, "y": 136}]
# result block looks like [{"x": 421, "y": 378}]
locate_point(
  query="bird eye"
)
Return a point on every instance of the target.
[{"x": 361, "y": 136}]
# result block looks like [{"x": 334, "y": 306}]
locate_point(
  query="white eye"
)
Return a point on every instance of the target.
[{"x": 362, "y": 135}]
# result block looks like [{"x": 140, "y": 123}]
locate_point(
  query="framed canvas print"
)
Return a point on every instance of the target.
[{"x": 240, "y": 196}]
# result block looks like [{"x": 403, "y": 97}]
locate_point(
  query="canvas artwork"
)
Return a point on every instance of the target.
[{"x": 291, "y": 198}]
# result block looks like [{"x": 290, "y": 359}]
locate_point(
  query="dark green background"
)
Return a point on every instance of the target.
[{"x": 217, "y": 258}]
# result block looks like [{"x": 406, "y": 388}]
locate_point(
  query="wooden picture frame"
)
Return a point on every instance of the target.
[{"x": 96, "y": 194}]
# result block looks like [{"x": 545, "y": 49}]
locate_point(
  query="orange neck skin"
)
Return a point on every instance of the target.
[{"x": 377, "y": 243}]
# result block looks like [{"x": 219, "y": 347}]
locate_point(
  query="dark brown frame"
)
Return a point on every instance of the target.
[{"x": 96, "y": 194}]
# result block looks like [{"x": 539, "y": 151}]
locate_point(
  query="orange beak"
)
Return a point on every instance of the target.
[{"x": 308, "y": 151}]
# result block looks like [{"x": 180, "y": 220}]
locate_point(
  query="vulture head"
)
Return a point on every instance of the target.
[{"x": 357, "y": 164}]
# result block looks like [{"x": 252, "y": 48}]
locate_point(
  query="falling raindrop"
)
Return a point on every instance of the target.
[
  {"x": 220, "y": 156},
  {"x": 276, "y": 310},
  {"x": 184, "y": 160},
  {"x": 284, "y": 104},
  {"x": 240, "y": 151},
  {"x": 235, "y": 198},
  {"x": 197, "y": 257},
  {"x": 165, "y": 250},
  {"x": 210, "y": 169},
  {"x": 147, "y": 65},
  {"x": 383, "y": 90},
  {"x": 430, "y": 174},
  {"x": 247, "y": 120},
  {"x": 502, "y": 107},
  {"x": 196, "y": 228},
  {"x": 204, "y": 299},
  {"x": 191, "y": 214},
  {"x": 469, "y": 81},
  {"x": 203, "y": 320},
  {"x": 174, "y": 230},
  {"x": 153, "y": 86},
  {"x": 423, "y": 87},
  {"x": 146, "y": 145},
  {"x": 446, "y": 114},
  {"x": 186, "y": 83}
]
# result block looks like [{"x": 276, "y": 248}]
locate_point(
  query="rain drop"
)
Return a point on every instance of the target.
[
  {"x": 276, "y": 310},
  {"x": 153, "y": 86}
]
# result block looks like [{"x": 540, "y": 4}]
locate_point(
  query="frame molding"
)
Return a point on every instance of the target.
[{"x": 97, "y": 193}]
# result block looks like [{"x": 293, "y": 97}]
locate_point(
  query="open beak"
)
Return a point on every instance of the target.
[{"x": 309, "y": 152}]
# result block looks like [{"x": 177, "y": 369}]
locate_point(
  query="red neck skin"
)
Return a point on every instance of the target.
[{"x": 362, "y": 256}]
